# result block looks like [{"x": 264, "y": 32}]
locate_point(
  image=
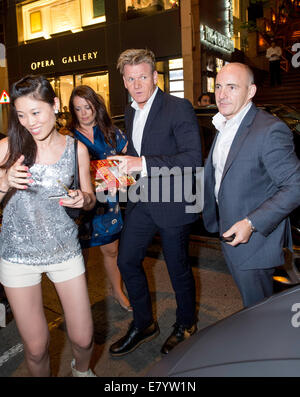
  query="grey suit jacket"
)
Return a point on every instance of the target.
[{"x": 261, "y": 180}]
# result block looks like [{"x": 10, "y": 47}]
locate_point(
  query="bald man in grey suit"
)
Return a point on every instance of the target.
[{"x": 252, "y": 183}]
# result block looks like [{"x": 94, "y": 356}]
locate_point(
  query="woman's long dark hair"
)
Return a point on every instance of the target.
[
  {"x": 102, "y": 117},
  {"x": 20, "y": 141}
]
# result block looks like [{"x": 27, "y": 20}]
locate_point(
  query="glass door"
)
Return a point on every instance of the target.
[{"x": 98, "y": 81}]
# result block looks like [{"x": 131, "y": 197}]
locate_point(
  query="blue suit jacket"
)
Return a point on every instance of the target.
[
  {"x": 171, "y": 138},
  {"x": 261, "y": 180}
]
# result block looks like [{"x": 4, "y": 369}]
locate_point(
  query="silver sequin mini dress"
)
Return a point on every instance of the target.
[{"x": 37, "y": 230}]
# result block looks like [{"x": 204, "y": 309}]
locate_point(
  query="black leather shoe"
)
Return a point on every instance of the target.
[
  {"x": 133, "y": 339},
  {"x": 179, "y": 334}
]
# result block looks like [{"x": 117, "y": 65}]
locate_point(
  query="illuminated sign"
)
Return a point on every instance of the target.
[
  {"x": 87, "y": 56},
  {"x": 4, "y": 98},
  {"x": 214, "y": 39},
  {"x": 80, "y": 57},
  {"x": 229, "y": 16},
  {"x": 42, "y": 64}
]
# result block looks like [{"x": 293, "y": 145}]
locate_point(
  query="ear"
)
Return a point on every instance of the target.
[
  {"x": 155, "y": 77},
  {"x": 124, "y": 80},
  {"x": 252, "y": 91},
  {"x": 56, "y": 105}
]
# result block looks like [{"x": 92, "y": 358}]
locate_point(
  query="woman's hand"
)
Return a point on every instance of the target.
[
  {"x": 75, "y": 199},
  {"x": 78, "y": 199},
  {"x": 18, "y": 176}
]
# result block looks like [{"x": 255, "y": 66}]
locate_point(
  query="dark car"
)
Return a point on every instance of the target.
[
  {"x": 259, "y": 341},
  {"x": 289, "y": 274},
  {"x": 286, "y": 113},
  {"x": 205, "y": 114}
]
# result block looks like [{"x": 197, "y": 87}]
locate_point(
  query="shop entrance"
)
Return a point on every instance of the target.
[{"x": 63, "y": 86}]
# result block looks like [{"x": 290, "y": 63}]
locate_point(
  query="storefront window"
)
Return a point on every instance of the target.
[
  {"x": 98, "y": 8},
  {"x": 63, "y": 86},
  {"x": 44, "y": 18},
  {"x": 135, "y": 8},
  {"x": 219, "y": 64},
  {"x": 161, "y": 81},
  {"x": 236, "y": 8},
  {"x": 176, "y": 81},
  {"x": 210, "y": 84},
  {"x": 99, "y": 83}
]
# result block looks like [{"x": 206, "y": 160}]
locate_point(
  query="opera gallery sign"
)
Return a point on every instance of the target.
[{"x": 70, "y": 59}]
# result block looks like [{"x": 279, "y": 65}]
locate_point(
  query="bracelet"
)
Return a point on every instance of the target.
[{"x": 251, "y": 225}]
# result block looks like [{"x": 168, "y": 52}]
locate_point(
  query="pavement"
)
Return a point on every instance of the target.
[{"x": 217, "y": 298}]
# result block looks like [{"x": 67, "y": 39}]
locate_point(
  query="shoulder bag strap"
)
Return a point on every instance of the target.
[{"x": 76, "y": 177}]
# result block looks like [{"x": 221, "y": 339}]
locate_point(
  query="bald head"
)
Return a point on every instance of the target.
[
  {"x": 240, "y": 68},
  {"x": 234, "y": 88}
]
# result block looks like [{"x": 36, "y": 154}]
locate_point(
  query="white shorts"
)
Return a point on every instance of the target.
[{"x": 16, "y": 275}]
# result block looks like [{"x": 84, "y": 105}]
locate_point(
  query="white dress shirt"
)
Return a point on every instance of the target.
[
  {"x": 274, "y": 53},
  {"x": 227, "y": 131},
  {"x": 140, "y": 118}
]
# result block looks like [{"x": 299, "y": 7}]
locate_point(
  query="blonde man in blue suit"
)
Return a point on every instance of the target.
[{"x": 162, "y": 133}]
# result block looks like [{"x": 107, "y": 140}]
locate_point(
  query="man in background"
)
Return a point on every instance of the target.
[
  {"x": 204, "y": 100},
  {"x": 273, "y": 54}
]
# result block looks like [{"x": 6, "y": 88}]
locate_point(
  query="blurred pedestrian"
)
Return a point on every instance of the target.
[
  {"x": 204, "y": 100},
  {"x": 92, "y": 125},
  {"x": 37, "y": 234},
  {"x": 67, "y": 115},
  {"x": 274, "y": 54}
]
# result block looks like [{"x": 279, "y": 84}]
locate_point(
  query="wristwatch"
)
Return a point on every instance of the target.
[{"x": 251, "y": 225}]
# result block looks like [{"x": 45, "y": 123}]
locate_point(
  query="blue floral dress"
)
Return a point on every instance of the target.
[{"x": 102, "y": 225}]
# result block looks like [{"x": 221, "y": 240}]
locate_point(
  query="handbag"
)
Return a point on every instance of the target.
[
  {"x": 100, "y": 224},
  {"x": 74, "y": 213}
]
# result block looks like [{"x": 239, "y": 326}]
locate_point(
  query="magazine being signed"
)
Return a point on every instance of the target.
[{"x": 105, "y": 175}]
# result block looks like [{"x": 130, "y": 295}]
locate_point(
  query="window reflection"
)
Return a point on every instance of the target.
[
  {"x": 44, "y": 18},
  {"x": 136, "y": 8},
  {"x": 176, "y": 85},
  {"x": 176, "y": 74},
  {"x": 176, "y": 82},
  {"x": 35, "y": 22},
  {"x": 63, "y": 86},
  {"x": 210, "y": 84},
  {"x": 176, "y": 63},
  {"x": 97, "y": 81}
]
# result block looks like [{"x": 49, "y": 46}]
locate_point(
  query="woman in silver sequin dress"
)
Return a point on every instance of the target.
[{"x": 37, "y": 235}]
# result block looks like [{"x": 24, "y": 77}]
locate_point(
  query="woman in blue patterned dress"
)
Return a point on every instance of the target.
[{"x": 101, "y": 227}]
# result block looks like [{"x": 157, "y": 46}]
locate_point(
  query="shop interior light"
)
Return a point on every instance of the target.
[{"x": 76, "y": 30}]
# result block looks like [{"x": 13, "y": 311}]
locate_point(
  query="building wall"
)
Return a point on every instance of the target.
[
  {"x": 169, "y": 34},
  {"x": 96, "y": 48}
]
